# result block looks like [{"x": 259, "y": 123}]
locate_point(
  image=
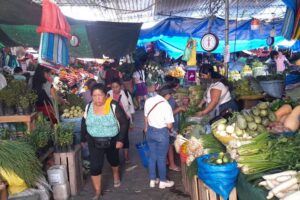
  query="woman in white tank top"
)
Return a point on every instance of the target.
[{"x": 217, "y": 97}]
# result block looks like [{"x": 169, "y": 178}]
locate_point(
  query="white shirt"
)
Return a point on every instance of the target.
[
  {"x": 225, "y": 93},
  {"x": 161, "y": 115},
  {"x": 139, "y": 76}
]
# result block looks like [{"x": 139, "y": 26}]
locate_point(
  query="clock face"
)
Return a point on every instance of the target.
[
  {"x": 209, "y": 42},
  {"x": 74, "y": 42},
  {"x": 270, "y": 41}
]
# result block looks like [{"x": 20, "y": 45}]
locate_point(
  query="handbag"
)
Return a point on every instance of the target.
[{"x": 102, "y": 142}]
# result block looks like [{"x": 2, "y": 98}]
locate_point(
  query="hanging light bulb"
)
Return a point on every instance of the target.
[
  {"x": 273, "y": 32},
  {"x": 255, "y": 23}
]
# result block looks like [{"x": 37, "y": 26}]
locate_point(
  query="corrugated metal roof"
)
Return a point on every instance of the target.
[{"x": 151, "y": 10}]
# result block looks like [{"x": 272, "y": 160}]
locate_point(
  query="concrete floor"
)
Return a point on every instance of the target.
[{"x": 135, "y": 182}]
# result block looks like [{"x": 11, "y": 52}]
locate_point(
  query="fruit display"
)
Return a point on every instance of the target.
[
  {"x": 72, "y": 75},
  {"x": 73, "y": 112},
  {"x": 177, "y": 72},
  {"x": 245, "y": 87}
]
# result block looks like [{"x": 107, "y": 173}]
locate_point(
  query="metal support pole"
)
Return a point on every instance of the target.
[{"x": 226, "y": 34}]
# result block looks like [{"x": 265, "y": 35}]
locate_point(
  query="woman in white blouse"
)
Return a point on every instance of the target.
[
  {"x": 217, "y": 97},
  {"x": 159, "y": 120}
]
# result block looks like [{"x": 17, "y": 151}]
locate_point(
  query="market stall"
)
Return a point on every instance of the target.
[{"x": 259, "y": 142}]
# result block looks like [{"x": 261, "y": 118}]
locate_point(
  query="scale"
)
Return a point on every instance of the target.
[
  {"x": 74, "y": 41},
  {"x": 209, "y": 42}
]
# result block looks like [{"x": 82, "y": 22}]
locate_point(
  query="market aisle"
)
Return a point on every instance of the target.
[{"x": 135, "y": 183}]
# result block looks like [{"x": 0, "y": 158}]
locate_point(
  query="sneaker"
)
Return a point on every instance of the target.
[
  {"x": 153, "y": 183},
  {"x": 164, "y": 184},
  {"x": 117, "y": 183}
]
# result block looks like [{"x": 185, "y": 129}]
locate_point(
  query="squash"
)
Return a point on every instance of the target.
[
  {"x": 283, "y": 118},
  {"x": 292, "y": 121},
  {"x": 283, "y": 110}
]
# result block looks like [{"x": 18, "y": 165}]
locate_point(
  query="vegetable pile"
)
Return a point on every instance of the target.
[
  {"x": 220, "y": 159},
  {"x": 21, "y": 159},
  {"x": 283, "y": 185},
  {"x": 73, "y": 112},
  {"x": 245, "y": 87},
  {"x": 268, "y": 152},
  {"x": 195, "y": 94},
  {"x": 245, "y": 125}
]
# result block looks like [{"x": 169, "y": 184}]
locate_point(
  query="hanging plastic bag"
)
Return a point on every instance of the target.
[
  {"x": 193, "y": 60},
  {"x": 188, "y": 50},
  {"x": 220, "y": 178}
]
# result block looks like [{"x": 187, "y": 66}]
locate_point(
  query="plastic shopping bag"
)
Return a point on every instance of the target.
[
  {"x": 15, "y": 183},
  {"x": 220, "y": 178},
  {"x": 144, "y": 152}
]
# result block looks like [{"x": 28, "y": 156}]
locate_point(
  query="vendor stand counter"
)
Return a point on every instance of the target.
[
  {"x": 28, "y": 119},
  {"x": 247, "y": 102},
  {"x": 247, "y": 191}
]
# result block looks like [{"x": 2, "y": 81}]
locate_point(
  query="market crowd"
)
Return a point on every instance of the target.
[{"x": 110, "y": 105}]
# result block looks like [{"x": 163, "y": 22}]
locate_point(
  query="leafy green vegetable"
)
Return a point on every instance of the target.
[{"x": 20, "y": 158}]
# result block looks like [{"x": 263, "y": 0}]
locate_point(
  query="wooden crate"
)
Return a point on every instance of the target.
[
  {"x": 205, "y": 193},
  {"x": 194, "y": 188},
  {"x": 185, "y": 179},
  {"x": 72, "y": 160}
]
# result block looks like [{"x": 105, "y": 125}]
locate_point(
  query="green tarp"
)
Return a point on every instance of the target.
[
  {"x": 20, "y": 18},
  {"x": 27, "y": 36}
]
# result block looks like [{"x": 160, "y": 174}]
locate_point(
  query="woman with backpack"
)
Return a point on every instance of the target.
[
  {"x": 125, "y": 101},
  {"x": 104, "y": 127}
]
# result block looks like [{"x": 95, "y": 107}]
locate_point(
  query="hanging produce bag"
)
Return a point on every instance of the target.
[
  {"x": 144, "y": 151},
  {"x": 220, "y": 178},
  {"x": 188, "y": 50},
  {"x": 192, "y": 61}
]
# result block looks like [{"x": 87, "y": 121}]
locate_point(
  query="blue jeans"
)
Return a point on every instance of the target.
[{"x": 158, "y": 141}]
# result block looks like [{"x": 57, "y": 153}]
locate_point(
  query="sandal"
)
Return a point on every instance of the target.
[
  {"x": 96, "y": 197},
  {"x": 176, "y": 169},
  {"x": 117, "y": 184}
]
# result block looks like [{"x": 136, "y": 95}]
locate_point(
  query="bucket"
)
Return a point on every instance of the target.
[
  {"x": 144, "y": 152},
  {"x": 57, "y": 175},
  {"x": 61, "y": 192},
  {"x": 273, "y": 88}
]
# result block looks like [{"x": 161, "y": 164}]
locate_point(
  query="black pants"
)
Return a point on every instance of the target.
[
  {"x": 97, "y": 156},
  {"x": 126, "y": 139}
]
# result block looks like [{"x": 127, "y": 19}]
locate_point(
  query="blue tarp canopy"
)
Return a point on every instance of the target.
[
  {"x": 171, "y": 35},
  {"x": 296, "y": 46}
]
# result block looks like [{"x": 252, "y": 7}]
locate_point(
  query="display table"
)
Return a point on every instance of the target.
[
  {"x": 247, "y": 102},
  {"x": 28, "y": 119}
]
